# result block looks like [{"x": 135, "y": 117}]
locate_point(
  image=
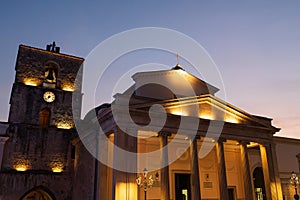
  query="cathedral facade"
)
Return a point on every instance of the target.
[{"x": 205, "y": 148}]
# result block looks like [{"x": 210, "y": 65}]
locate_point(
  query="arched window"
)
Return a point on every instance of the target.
[
  {"x": 50, "y": 76},
  {"x": 259, "y": 183},
  {"x": 45, "y": 117}
]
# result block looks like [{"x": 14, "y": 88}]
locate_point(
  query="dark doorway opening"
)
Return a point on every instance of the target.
[
  {"x": 183, "y": 186},
  {"x": 38, "y": 193},
  {"x": 231, "y": 193},
  {"x": 259, "y": 184}
]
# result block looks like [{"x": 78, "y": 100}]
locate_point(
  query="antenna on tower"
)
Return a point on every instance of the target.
[{"x": 53, "y": 48}]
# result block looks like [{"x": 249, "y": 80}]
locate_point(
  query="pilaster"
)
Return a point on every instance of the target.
[
  {"x": 196, "y": 190},
  {"x": 222, "y": 170},
  {"x": 3, "y": 140},
  {"x": 246, "y": 171},
  {"x": 165, "y": 184}
]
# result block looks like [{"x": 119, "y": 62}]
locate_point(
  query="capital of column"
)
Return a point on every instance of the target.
[
  {"x": 3, "y": 139},
  {"x": 243, "y": 142},
  {"x": 164, "y": 133},
  {"x": 129, "y": 131},
  {"x": 197, "y": 137},
  {"x": 221, "y": 140},
  {"x": 125, "y": 128},
  {"x": 265, "y": 143}
]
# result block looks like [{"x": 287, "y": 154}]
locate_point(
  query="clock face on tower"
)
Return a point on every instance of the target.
[{"x": 49, "y": 96}]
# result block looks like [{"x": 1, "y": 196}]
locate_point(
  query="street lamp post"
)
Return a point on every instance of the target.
[
  {"x": 146, "y": 182},
  {"x": 294, "y": 180}
]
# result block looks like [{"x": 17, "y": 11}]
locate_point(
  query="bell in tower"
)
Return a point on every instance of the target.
[{"x": 50, "y": 76}]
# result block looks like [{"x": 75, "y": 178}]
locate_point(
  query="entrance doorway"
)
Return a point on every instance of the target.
[
  {"x": 183, "y": 186},
  {"x": 38, "y": 193},
  {"x": 259, "y": 184},
  {"x": 231, "y": 193}
]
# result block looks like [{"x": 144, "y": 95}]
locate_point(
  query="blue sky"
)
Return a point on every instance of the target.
[{"x": 255, "y": 44}]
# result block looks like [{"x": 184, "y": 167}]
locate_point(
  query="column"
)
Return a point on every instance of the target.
[
  {"x": 2, "y": 144},
  {"x": 165, "y": 184},
  {"x": 272, "y": 182},
  {"x": 196, "y": 190},
  {"x": 276, "y": 172},
  {"x": 124, "y": 182},
  {"x": 246, "y": 171},
  {"x": 265, "y": 166},
  {"x": 222, "y": 170}
]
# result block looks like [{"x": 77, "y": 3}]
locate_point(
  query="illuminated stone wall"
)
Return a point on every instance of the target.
[
  {"x": 287, "y": 151},
  {"x": 27, "y": 93},
  {"x": 17, "y": 185},
  {"x": 34, "y": 155},
  {"x": 38, "y": 149},
  {"x": 27, "y": 102},
  {"x": 31, "y": 63},
  {"x": 37, "y": 157},
  {"x": 84, "y": 172}
]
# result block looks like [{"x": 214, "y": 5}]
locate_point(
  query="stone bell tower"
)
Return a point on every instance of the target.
[
  {"x": 44, "y": 84},
  {"x": 38, "y": 157}
]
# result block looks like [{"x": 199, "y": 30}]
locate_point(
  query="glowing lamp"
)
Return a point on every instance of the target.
[
  {"x": 21, "y": 168},
  {"x": 68, "y": 88},
  {"x": 57, "y": 169},
  {"x": 21, "y": 165},
  {"x": 31, "y": 81},
  {"x": 146, "y": 181},
  {"x": 57, "y": 166},
  {"x": 64, "y": 125}
]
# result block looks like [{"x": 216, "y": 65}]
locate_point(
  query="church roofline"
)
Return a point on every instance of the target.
[
  {"x": 284, "y": 140},
  {"x": 50, "y": 52},
  {"x": 211, "y": 88}
]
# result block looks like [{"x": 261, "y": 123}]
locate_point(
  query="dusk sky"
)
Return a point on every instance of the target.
[{"x": 255, "y": 44}]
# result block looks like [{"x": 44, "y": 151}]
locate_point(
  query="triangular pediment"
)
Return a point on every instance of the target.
[
  {"x": 205, "y": 106},
  {"x": 171, "y": 89},
  {"x": 212, "y": 108}
]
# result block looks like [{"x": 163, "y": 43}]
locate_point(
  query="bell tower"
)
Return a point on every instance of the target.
[
  {"x": 39, "y": 150},
  {"x": 45, "y": 80}
]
